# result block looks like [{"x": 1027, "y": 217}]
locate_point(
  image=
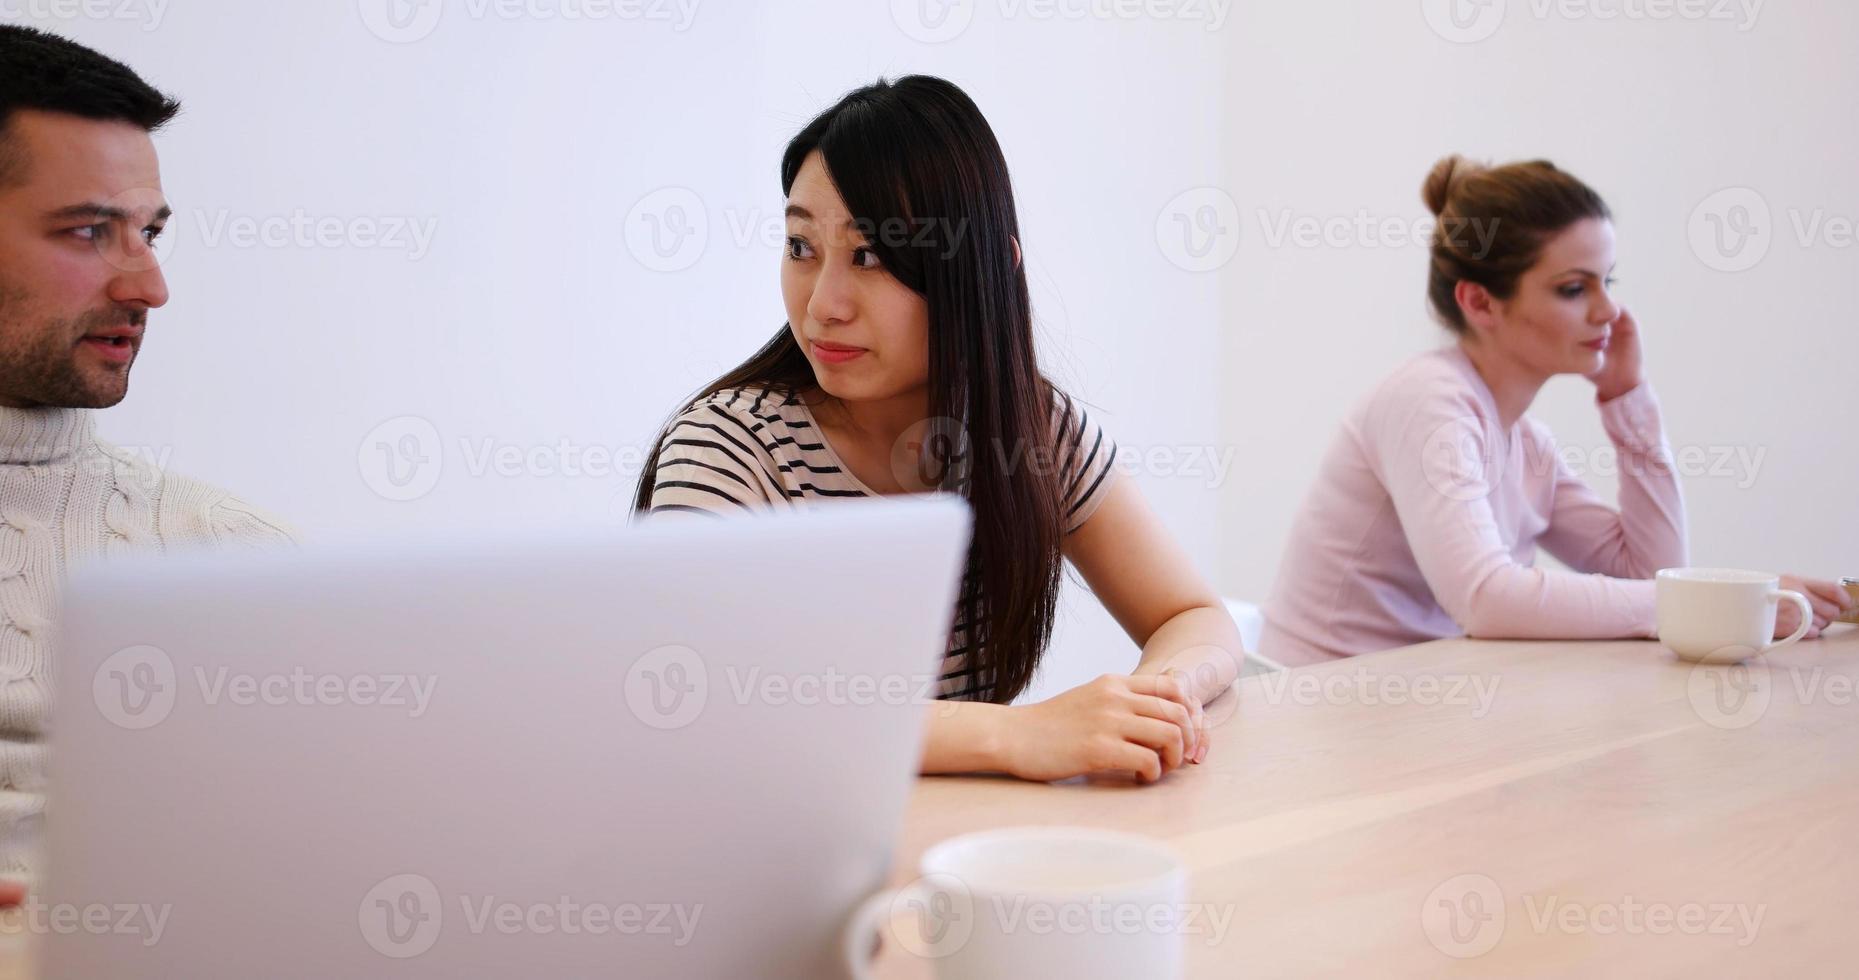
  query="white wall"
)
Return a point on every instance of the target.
[
  {"x": 533, "y": 145},
  {"x": 1330, "y": 114},
  {"x": 540, "y": 312}
]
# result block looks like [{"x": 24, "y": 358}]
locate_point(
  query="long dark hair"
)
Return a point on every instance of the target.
[{"x": 917, "y": 154}]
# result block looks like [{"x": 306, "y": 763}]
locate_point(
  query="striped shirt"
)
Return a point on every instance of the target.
[{"x": 751, "y": 450}]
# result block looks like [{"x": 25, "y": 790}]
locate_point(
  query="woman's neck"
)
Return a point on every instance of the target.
[
  {"x": 1513, "y": 385},
  {"x": 879, "y": 421},
  {"x": 864, "y": 433}
]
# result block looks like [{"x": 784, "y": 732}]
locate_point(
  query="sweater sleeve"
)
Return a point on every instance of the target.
[
  {"x": 1436, "y": 453},
  {"x": 237, "y": 524},
  {"x": 192, "y": 513},
  {"x": 1647, "y": 533}
]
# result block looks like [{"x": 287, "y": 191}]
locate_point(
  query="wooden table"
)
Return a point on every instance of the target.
[{"x": 1627, "y": 813}]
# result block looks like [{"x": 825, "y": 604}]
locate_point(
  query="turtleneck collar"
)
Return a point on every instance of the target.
[{"x": 43, "y": 436}]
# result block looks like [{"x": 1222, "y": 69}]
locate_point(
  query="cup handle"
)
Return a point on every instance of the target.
[
  {"x": 864, "y": 925},
  {"x": 1807, "y": 617}
]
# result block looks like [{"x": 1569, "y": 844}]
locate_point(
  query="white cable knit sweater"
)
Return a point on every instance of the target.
[{"x": 67, "y": 498}]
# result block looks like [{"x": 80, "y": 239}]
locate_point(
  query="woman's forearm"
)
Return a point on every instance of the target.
[
  {"x": 1647, "y": 531},
  {"x": 965, "y": 736},
  {"x": 1202, "y": 643},
  {"x": 1652, "y": 503},
  {"x": 973, "y": 736}
]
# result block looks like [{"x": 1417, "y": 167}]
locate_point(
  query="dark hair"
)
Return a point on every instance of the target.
[
  {"x": 47, "y": 72},
  {"x": 1493, "y": 224},
  {"x": 916, "y": 153}
]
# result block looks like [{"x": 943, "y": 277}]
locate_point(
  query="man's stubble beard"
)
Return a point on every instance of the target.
[{"x": 40, "y": 368}]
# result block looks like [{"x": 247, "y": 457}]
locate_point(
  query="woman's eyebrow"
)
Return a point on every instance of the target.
[{"x": 802, "y": 214}]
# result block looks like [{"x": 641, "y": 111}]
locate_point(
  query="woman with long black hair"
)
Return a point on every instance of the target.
[{"x": 907, "y": 365}]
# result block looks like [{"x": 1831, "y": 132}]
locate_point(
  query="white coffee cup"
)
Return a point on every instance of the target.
[
  {"x": 1066, "y": 902},
  {"x": 1723, "y": 615}
]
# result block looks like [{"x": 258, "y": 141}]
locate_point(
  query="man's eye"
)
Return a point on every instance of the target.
[
  {"x": 150, "y": 234},
  {"x": 92, "y": 233}
]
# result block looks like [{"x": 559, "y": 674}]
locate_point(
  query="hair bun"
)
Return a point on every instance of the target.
[{"x": 1438, "y": 187}]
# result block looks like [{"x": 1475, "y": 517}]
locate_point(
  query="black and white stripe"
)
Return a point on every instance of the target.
[{"x": 750, "y": 450}]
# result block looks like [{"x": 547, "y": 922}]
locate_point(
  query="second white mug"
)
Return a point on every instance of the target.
[
  {"x": 1723, "y": 615},
  {"x": 1067, "y": 902}
]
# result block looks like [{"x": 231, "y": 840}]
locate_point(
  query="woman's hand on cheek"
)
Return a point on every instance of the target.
[
  {"x": 1623, "y": 368},
  {"x": 1145, "y": 724}
]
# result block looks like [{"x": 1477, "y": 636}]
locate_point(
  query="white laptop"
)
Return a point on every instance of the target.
[{"x": 681, "y": 750}]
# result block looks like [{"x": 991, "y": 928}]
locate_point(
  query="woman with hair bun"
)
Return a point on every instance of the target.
[{"x": 1431, "y": 503}]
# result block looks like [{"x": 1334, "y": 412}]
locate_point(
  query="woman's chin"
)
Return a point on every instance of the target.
[
  {"x": 842, "y": 385},
  {"x": 833, "y": 387}
]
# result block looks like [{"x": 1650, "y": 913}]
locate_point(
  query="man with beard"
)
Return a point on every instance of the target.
[{"x": 80, "y": 208}]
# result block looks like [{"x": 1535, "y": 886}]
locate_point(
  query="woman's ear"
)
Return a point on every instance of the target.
[
  {"x": 1016, "y": 249},
  {"x": 1477, "y": 306}
]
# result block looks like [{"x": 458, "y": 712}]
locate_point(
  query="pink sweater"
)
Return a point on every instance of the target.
[{"x": 1426, "y": 516}]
